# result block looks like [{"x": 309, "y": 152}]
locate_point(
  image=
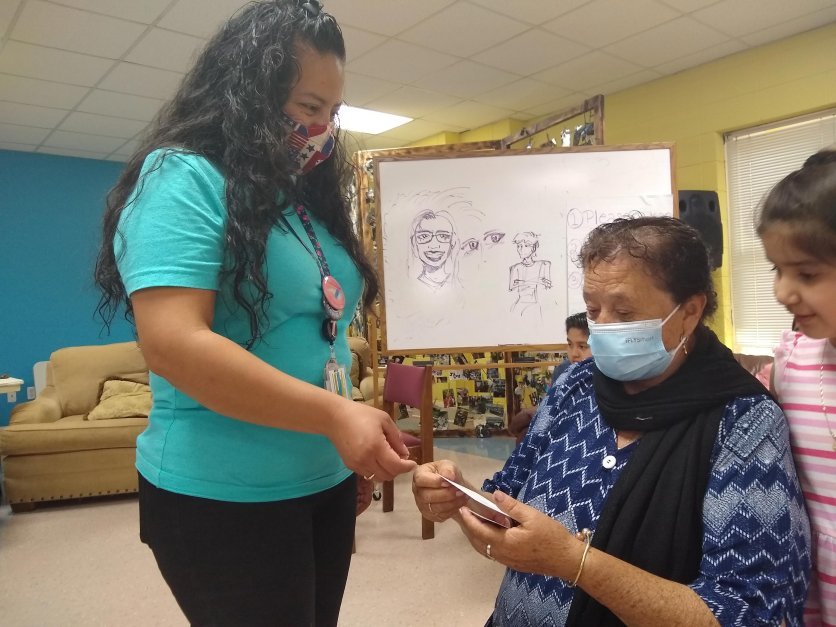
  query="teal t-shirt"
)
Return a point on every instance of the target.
[{"x": 174, "y": 236}]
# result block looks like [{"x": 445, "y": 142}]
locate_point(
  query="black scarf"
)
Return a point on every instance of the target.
[{"x": 652, "y": 517}]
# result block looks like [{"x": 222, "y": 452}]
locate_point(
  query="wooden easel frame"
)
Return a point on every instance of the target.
[{"x": 593, "y": 106}]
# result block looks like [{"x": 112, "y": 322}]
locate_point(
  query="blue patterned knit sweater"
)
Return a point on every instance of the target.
[{"x": 756, "y": 561}]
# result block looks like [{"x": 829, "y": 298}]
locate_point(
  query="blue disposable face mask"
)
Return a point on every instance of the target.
[{"x": 631, "y": 351}]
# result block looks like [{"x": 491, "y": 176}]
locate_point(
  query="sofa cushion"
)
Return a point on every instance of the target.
[
  {"x": 122, "y": 398},
  {"x": 354, "y": 375},
  {"x": 78, "y": 372},
  {"x": 72, "y": 433}
]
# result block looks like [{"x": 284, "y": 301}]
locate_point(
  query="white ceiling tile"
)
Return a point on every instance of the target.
[
  {"x": 127, "y": 149},
  {"x": 72, "y": 152},
  {"x": 358, "y": 42},
  {"x": 37, "y": 92},
  {"x": 116, "y": 158},
  {"x": 375, "y": 142},
  {"x": 400, "y": 61},
  {"x": 83, "y": 141},
  {"x": 522, "y": 94},
  {"x": 623, "y": 19},
  {"x": 360, "y": 90},
  {"x": 55, "y": 26},
  {"x": 120, "y": 105},
  {"x": 534, "y": 12},
  {"x": 387, "y": 17},
  {"x": 80, "y": 122},
  {"x": 52, "y": 65},
  {"x": 466, "y": 79},
  {"x": 22, "y": 134},
  {"x": 688, "y": 6},
  {"x": 530, "y": 52},
  {"x": 198, "y": 17},
  {"x": 469, "y": 114},
  {"x": 792, "y": 27},
  {"x": 8, "y": 10},
  {"x": 674, "y": 39},
  {"x": 591, "y": 69},
  {"x": 445, "y": 31},
  {"x": 419, "y": 129},
  {"x": 18, "y": 147},
  {"x": 625, "y": 82},
  {"x": 703, "y": 56},
  {"x": 166, "y": 50},
  {"x": 30, "y": 115},
  {"x": 141, "y": 80},
  {"x": 413, "y": 102},
  {"x": 742, "y": 17},
  {"x": 145, "y": 11}
]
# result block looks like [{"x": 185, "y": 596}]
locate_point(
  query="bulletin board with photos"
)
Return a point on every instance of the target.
[{"x": 472, "y": 389}]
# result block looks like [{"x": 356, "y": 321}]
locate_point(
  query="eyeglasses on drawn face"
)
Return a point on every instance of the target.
[{"x": 424, "y": 237}]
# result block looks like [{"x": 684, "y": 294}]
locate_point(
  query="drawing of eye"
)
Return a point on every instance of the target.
[
  {"x": 492, "y": 238},
  {"x": 470, "y": 246}
]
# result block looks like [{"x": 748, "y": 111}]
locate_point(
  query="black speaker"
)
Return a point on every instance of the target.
[{"x": 701, "y": 210}]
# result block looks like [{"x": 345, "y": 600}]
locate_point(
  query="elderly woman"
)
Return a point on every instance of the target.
[{"x": 656, "y": 485}]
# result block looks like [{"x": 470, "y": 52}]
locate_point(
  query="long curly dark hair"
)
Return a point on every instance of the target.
[{"x": 228, "y": 109}]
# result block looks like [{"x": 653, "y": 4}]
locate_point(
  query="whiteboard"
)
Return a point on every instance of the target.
[{"x": 480, "y": 250}]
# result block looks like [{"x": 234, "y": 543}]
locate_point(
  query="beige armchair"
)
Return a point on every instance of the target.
[
  {"x": 362, "y": 377},
  {"x": 51, "y": 451}
]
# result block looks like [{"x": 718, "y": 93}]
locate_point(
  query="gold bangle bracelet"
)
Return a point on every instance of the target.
[{"x": 587, "y": 536}]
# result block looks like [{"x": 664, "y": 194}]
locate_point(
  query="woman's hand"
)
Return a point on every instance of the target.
[
  {"x": 436, "y": 499},
  {"x": 368, "y": 442},
  {"x": 539, "y": 544}
]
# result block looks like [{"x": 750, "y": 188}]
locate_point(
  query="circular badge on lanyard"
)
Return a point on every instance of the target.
[{"x": 333, "y": 297}]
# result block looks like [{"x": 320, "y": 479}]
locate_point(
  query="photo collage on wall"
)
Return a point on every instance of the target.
[{"x": 467, "y": 398}]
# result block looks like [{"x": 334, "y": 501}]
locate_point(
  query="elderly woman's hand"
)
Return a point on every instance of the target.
[
  {"x": 436, "y": 499},
  {"x": 538, "y": 544}
]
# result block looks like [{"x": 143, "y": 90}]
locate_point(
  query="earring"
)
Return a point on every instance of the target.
[{"x": 685, "y": 344}]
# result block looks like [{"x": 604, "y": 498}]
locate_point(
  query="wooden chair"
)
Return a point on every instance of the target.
[{"x": 413, "y": 386}]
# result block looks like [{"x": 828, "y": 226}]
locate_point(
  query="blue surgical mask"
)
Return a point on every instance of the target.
[{"x": 631, "y": 351}]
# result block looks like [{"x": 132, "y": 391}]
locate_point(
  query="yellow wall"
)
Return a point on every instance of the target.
[{"x": 695, "y": 107}]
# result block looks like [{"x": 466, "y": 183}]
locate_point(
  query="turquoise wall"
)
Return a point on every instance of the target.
[{"x": 50, "y": 214}]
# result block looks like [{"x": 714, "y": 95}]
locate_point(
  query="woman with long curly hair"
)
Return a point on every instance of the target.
[{"x": 227, "y": 240}]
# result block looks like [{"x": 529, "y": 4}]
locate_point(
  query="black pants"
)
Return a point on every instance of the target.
[{"x": 252, "y": 564}]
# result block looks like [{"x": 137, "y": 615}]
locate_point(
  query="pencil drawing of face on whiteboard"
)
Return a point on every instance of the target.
[
  {"x": 529, "y": 275},
  {"x": 434, "y": 244}
]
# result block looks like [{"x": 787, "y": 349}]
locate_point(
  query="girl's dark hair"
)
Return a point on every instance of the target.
[
  {"x": 669, "y": 250},
  {"x": 228, "y": 109},
  {"x": 805, "y": 201}
]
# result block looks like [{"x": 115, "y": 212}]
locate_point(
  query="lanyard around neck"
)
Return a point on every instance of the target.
[{"x": 333, "y": 297}]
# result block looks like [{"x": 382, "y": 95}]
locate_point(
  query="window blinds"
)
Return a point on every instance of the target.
[{"x": 756, "y": 159}]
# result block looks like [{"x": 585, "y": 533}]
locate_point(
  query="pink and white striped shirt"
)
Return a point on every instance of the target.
[{"x": 805, "y": 373}]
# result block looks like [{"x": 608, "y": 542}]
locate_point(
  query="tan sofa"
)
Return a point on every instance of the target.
[
  {"x": 362, "y": 379},
  {"x": 50, "y": 451}
]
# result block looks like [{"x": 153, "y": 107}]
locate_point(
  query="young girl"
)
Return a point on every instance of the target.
[{"x": 798, "y": 230}]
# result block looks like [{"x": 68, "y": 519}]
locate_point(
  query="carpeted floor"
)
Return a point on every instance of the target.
[{"x": 83, "y": 564}]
